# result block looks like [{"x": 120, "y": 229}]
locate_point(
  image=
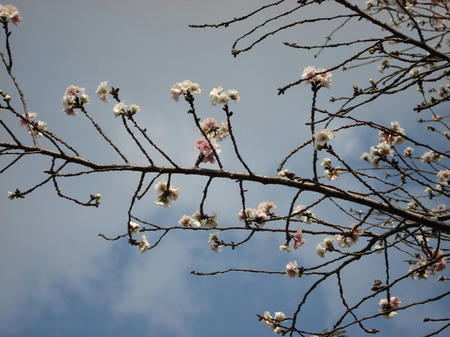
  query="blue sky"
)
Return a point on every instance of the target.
[{"x": 59, "y": 278}]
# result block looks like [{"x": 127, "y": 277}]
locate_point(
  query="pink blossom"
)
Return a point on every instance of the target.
[
  {"x": 298, "y": 239},
  {"x": 313, "y": 75},
  {"x": 209, "y": 158},
  {"x": 73, "y": 90},
  {"x": 309, "y": 74},
  {"x": 395, "y": 302},
  {"x": 27, "y": 118},
  {"x": 441, "y": 264},
  {"x": 209, "y": 125},
  {"x": 203, "y": 145},
  {"x": 73, "y": 97},
  {"x": 16, "y": 19},
  {"x": 206, "y": 150},
  {"x": 70, "y": 112}
]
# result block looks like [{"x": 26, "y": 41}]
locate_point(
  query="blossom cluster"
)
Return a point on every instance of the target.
[
  {"x": 393, "y": 136},
  {"x": 382, "y": 150},
  {"x": 74, "y": 97},
  {"x": 143, "y": 244},
  {"x": 258, "y": 215},
  {"x": 217, "y": 96},
  {"x": 120, "y": 108},
  {"x": 387, "y": 306},
  {"x": 166, "y": 194},
  {"x": 387, "y": 138},
  {"x": 214, "y": 134},
  {"x": 344, "y": 240},
  {"x": 422, "y": 270},
  {"x": 324, "y": 246},
  {"x": 199, "y": 220},
  {"x": 430, "y": 156},
  {"x": 317, "y": 76},
  {"x": 205, "y": 148},
  {"x": 274, "y": 322},
  {"x": 298, "y": 242},
  {"x": 184, "y": 88},
  {"x": 349, "y": 239},
  {"x": 213, "y": 131},
  {"x": 9, "y": 13},
  {"x": 34, "y": 127}
]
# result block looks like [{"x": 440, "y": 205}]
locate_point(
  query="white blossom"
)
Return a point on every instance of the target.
[
  {"x": 143, "y": 244},
  {"x": 443, "y": 177},
  {"x": 285, "y": 248},
  {"x": 322, "y": 137},
  {"x": 102, "y": 91},
  {"x": 321, "y": 250},
  {"x": 119, "y": 109},
  {"x": 134, "y": 108},
  {"x": 185, "y": 221},
  {"x": 430, "y": 156},
  {"x": 213, "y": 241},
  {"x": 134, "y": 227},
  {"x": 166, "y": 195},
  {"x": 234, "y": 95}
]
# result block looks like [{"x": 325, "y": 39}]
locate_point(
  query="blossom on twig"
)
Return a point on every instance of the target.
[
  {"x": 184, "y": 88},
  {"x": 185, "y": 221},
  {"x": 214, "y": 243},
  {"x": 166, "y": 195},
  {"x": 143, "y": 244},
  {"x": 315, "y": 75},
  {"x": 274, "y": 322},
  {"x": 387, "y": 307},
  {"x": 218, "y": 97},
  {"x": 292, "y": 269},
  {"x": 74, "y": 97},
  {"x": 298, "y": 239},
  {"x": 322, "y": 137},
  {"x": 9, "y": 13},
  {"x": 134, "y": 227},
  {"x": 204, "y": 220}
]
